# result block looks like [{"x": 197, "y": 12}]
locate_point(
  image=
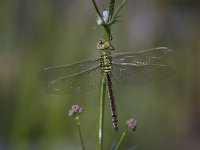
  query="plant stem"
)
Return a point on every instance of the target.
[
  {"x": 107, "y": 34},
  {"x": 80, "y": 134},
  {"x": 111, "y": 8},
  {"x": 119, "y": 8},
  {"x": 120, "y": 140},
  {"x": 106, "y": 37},
  {"x": 97, "y": 9},
  {"x": 99, "y": 141}
]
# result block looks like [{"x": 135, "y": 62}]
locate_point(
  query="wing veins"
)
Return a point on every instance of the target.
[
  {"x": 149, "y": 56},
  {"x": 52, "y": 73}
]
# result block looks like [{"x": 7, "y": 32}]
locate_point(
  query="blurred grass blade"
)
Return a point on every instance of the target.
[
  {"x": 120, "y": 140},
  {"x": 111, "y": 9},
  {"x": 97, "y": 9},
  {"x": 118, "y": 9},
  {"x": 99, "y": 138}
]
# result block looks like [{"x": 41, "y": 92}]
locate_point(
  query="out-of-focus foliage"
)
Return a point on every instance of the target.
[{"x": 36, "y": 34}]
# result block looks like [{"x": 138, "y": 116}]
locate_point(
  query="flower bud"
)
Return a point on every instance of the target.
[
  {"x": 75, "y": 110},
  {"x": 105, "y": 18},
  {"x": 132, "y": 124}
]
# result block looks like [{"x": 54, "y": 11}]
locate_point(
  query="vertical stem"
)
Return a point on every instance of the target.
[
  {"x": 107, "y": 34},
  {"x": 99, "y": 141},
  {"x": 80, "y": 134},
  {"x": 97, "y": 9},
  {"x": 120, "y": 140},
  {"x": 111, "y": 9},
  {"x": 99, "y": 138}
]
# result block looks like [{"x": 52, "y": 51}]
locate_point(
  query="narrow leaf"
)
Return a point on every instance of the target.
[
  {"x": 119, "y": 8},
  {"x": 111, "y": 9},
  {"x": 97, "y": 9}
]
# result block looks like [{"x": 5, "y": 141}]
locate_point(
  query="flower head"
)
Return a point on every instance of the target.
[
  {"x": 75, "y": 110},
  {"x": 132, "y": 124},
  {"x": 105, "y": 18}
]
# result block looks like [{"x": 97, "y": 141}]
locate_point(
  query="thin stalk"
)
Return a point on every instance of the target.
[
  {"x": 97, "y": 9},
  {"x": 99, "y": 141},
  {"x": 119, "y": 8},
  {"x": 80, "y": 134},
  {"x": 120, "y": 140},
  {"x": 111, "y": 8},
  {"x": 107, "y": 34},
  {"x": 100, "y": 132}
]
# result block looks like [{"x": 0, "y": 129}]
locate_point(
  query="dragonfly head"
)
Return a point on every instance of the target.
[{"x": 103, "y": 45}]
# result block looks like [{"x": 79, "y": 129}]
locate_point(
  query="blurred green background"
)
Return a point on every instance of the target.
[{"x": 36, "y": 34}]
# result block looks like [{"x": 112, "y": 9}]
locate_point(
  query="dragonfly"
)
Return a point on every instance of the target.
[{"x": 133, "y": 68}]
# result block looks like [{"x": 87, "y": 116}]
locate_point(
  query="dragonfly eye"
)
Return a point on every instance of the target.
[{"x": 102, "y": 45}]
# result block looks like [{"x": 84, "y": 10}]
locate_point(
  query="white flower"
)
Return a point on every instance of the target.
[
  {"x": 105, "y": 17},
  {"x": 99, "y": 20}
]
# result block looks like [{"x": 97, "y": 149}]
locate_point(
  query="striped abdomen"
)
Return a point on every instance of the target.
[{"x": 112, "y": 102}]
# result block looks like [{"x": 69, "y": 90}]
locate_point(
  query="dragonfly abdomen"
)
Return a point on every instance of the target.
[{"x": 112, "y": 102}]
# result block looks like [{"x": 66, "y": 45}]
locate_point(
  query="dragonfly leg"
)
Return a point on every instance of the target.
[
  {"x": 111, "y": 46},
  {"x": 111, "y": 37}
]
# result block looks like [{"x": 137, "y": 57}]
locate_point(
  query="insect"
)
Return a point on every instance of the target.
[{"x": 133, "y": 68}]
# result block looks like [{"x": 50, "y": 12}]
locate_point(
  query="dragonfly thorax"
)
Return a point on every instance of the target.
[{"x": 106, "y": 63}]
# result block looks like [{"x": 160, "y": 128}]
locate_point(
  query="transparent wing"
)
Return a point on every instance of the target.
[
  {"x": 53, "y": 73},
  {"x": 143, "y": 57},
  {"x": 76, "y": 83},
  {"x": 138, "y": 75}
]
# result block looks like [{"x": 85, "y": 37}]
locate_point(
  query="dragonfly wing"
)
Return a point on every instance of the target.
[
  {"x": 150, "y": 56},
  {"x": 53, "y": 73},
  {"x": 76, "y": 83},
  {"x": 138, "y": 75}
]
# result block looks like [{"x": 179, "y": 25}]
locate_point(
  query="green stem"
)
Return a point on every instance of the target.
[
  {"x": 80, "y": 134},
  {"x": 100, "y": 132},
  {"x": 97, "y": 9},
  {"x": 107, "y": 34},
  {"x": 120, "y": 140},
  {"x": 99, "y": 141},
  {"x": 119, "y": 8},
  {"x": 111, "y": 9}
]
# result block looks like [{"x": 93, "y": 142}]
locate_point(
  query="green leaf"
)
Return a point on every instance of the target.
[
  {"x": 118, "y": 9},
  {"x": 97, "y": 9},
  {"x": 111, "y": 9}
]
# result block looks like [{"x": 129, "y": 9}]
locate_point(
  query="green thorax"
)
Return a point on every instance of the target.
[{"x": 106, "y": 59}]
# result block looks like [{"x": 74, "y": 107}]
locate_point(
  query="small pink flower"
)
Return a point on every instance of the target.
[
  {"x": 132, "y": 124},
  {"x": 75, "y": 110}
]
